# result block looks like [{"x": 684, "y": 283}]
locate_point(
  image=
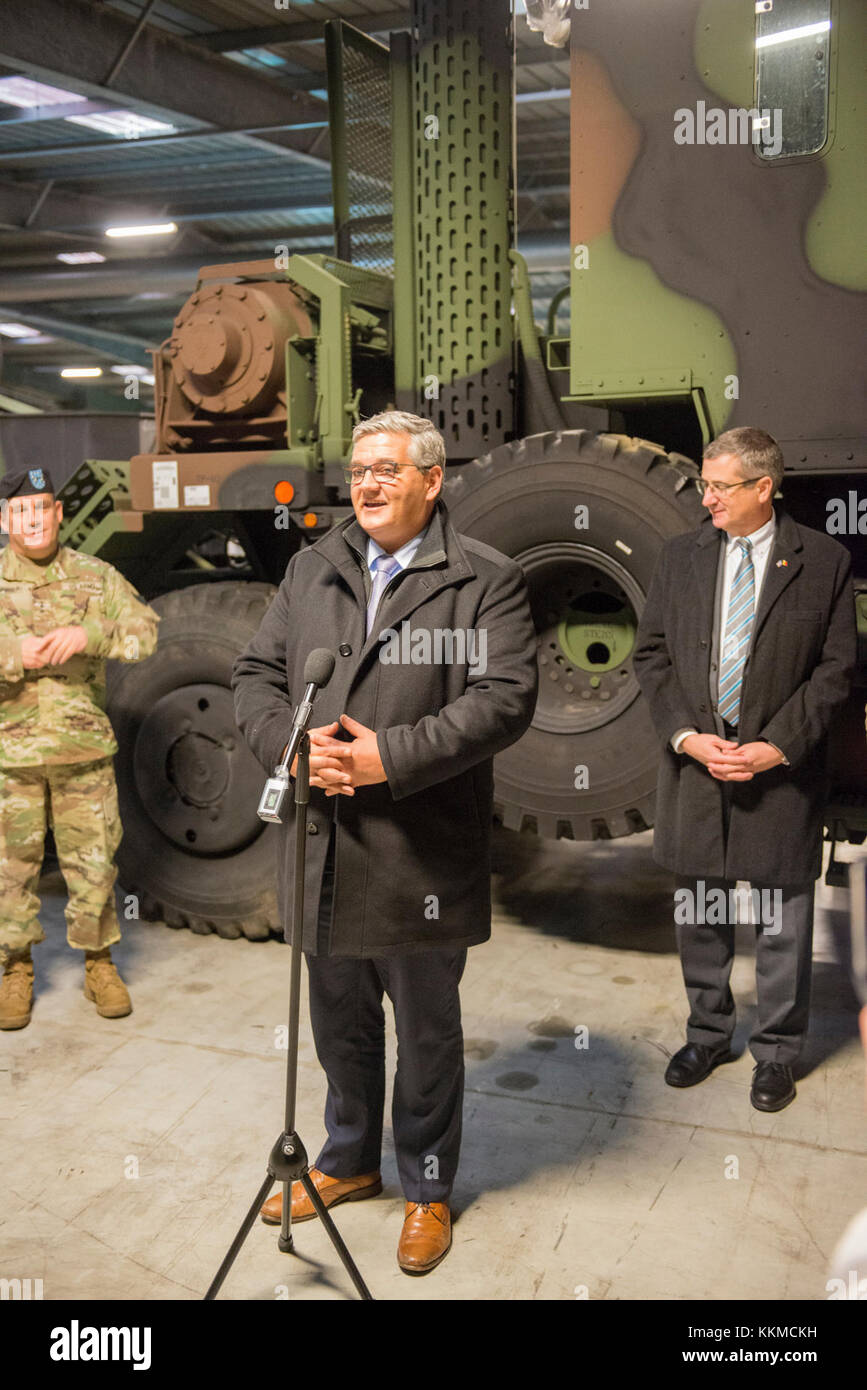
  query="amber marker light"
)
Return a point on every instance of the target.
[{"x": 284, "y": 492}]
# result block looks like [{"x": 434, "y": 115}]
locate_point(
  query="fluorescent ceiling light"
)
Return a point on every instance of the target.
[
  {"x": 152, "y": 229},
  {"x": 80, "y": 257},
  {"x": 18, "y": 330},
  {"x": 126, "y": 125},
  {"x": 788, "y": 35},
  {"x": 549, "y": 94},
  {"x": 81, "y": 371},
  {"x": 25, "y": 92}
]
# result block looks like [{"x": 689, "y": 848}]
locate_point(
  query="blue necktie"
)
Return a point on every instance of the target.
[
  {"x": 736, "y": 643},
  {"x": 385, "y": 568}
]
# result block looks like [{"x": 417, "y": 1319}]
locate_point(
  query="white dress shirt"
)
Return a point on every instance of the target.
[{"x": 762, "y": 543}]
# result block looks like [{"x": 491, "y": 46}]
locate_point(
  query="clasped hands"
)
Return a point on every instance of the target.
[
  {"x": 55, "y": 648},
  {"x": 340, "y": 767},
  {"x": 729, "y": 762}
]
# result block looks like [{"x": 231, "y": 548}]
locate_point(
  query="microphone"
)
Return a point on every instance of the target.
[{"x": 318, "y": 669}]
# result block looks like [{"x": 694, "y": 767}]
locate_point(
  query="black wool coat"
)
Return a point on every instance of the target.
[
  {"x": 412, "y": 855},
  {"x": 797, "y": 676}
]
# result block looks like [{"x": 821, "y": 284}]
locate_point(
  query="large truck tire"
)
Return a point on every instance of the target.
[
  {"x": 586, "y": 516},
  {"x": 194, "y": 851}
]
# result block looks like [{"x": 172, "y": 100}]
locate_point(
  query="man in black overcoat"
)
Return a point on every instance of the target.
[
  {"x": 436, "y": 673},
  {"x": 745, "y": 651}
]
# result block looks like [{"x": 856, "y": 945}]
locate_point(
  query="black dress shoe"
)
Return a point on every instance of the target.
[
  {"x": 773, "y": 1087},
  {"x": 694, "y": 1062}
]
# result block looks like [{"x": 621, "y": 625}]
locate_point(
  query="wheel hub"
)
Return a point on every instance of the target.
[
  {"x": 585, "y": 608},
  {"x": 196, "y": 778}
]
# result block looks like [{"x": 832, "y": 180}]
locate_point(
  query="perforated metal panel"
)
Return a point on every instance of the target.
[{"x": 463, "y": 220}]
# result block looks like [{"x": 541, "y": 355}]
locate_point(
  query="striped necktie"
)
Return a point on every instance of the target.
[
  {"x": 385, "y": 568},
  {"x": 739, "y": 626}
]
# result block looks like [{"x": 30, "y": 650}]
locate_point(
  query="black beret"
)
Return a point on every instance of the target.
[{"x": 28, "y": 483}]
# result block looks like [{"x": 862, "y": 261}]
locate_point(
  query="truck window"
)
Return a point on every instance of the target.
[{"x": 793, "y": 39}]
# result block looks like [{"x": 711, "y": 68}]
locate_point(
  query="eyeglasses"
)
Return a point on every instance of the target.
[
  {"x": 721, "y": 489},
  {"x": 381, "y": 472}
]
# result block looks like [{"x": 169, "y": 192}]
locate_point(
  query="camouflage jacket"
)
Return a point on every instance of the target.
[{"x": 57, "y": 714}]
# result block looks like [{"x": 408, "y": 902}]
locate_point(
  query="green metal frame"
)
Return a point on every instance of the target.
[
  {"x": 403, "y": 184},
  {"x": 462, "y": 224},
  {"x": 337, "y": 286},
  {"x": 90, "y": 523}
]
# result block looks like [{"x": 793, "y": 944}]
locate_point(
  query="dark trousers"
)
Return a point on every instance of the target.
[
  {"x": 784, "y": 959},
  {"x": 348, "y": 1023},
  {"x": 783, "y": 968}
]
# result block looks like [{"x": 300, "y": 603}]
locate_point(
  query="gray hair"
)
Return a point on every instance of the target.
[
  {"x": 426, "y": 446},
  {"x": 758, "y": 453}
]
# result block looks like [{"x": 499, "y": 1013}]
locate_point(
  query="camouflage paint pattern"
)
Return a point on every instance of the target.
[
  {"x": 704, "y": 258},
  {"x": 56, "y": 715},
  {"x": 79, "y": 802},
  {"x": 633, "y": 335},
  {"x": 836, "y": 228}
]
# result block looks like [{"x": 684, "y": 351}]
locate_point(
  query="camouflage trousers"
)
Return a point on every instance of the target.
[{"x": 79, "y": 802}]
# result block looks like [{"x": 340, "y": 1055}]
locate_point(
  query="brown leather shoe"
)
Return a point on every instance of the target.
[
  {"x": 426, "y": 1237},
  {"x": 333, "y": 1191}
]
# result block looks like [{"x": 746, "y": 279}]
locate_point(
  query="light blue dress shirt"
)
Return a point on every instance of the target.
[{"x": 404, "y": 556}]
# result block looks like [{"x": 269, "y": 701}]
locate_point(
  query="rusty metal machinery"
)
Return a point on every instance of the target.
[{"x": 221, "y": 376}]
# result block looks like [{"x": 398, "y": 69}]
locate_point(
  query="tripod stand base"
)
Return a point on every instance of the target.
[{"x": 287, "y": 1164}]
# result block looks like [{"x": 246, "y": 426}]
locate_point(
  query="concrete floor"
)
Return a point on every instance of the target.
[{"x": 133, "y": 1147}]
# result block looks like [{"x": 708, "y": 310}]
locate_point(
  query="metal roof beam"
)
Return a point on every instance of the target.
[
  {"x": 83, "y": 149},
  {"x": 61, "y": 211},
  {"x": 296, "y": 31},
  {"x": 65, "y": 42},
  {"x": 64, "y": 212},
  {"x": 71, "y": 214},
  {"x": 310, "y": 30},
  {"x": 121, "y": 345}
]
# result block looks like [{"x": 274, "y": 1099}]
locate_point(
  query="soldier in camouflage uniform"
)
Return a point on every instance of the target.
[{"x": 62, "y": 614}]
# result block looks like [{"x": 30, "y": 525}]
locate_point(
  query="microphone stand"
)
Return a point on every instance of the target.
[{"x": 287, "y": 1162}]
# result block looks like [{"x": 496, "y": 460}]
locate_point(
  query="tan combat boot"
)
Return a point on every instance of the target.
[
  {"x": 104, "y": 986},
  {"x": 16, "y": 991}
]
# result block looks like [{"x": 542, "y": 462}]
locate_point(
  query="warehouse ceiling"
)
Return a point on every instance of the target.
[{"x": 209, "y": 116}]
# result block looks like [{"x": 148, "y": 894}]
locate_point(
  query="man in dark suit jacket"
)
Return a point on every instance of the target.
[
  {"x": 436, "y": 673},
  {"x": 745, "y": 651}
]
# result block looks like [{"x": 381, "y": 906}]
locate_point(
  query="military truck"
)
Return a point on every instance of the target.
[{"x": 715, "y": 275}]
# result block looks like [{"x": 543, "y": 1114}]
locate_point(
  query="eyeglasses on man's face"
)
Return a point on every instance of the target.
[
  {"x": 382, "y": 472},
  {"x": 703, "y": 485}
]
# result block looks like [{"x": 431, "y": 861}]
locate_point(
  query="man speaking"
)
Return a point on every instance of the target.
[{"x": 436, "y": 673}]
